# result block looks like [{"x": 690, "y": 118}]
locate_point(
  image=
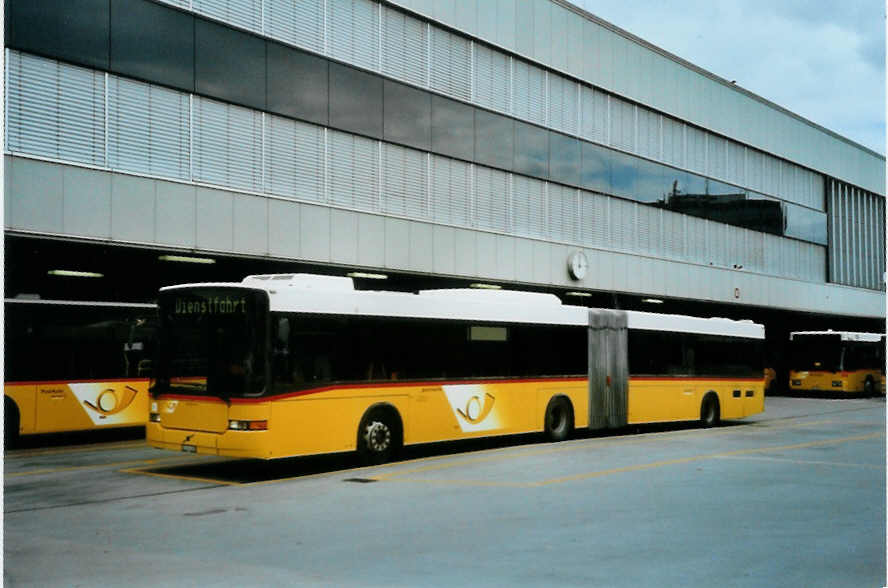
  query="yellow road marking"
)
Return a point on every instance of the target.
[
  {"x": 805, "y": 461},
  {"x": 86, "y": 467},
  {"x": 177, "y": 477},
  {"x": 27, "y": 453},
  {"x": 632, "y": 468}
]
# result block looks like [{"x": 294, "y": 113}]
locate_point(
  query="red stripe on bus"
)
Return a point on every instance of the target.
[
  {"x": 311, "y": 391},
  {"x": 370, "y": 385}
]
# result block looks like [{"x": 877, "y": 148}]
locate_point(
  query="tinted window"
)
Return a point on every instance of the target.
[
  {"x": 59, "y": 342},
  {"x": 531, "y": 150},
  {"x": 153, "y": 43},
  {"x": 624, "y": 174},
  {"x": 355, "y": 101},
  {"x": 297, "y": 84},
  {"x": 595, "y": 173},
  {"x": 453, "y": 128},
  {"x": 564, "y": 159},
  {"x": 229, "y": 65},
  {"x": 807, "y": 224},
  {"x": 408, "y": 115},
  {"x": 494, "y": 139},
  {"x": 71, "y": 30}
]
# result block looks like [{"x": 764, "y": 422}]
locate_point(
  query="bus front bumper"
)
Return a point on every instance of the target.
[{"x": 248, "y": 444}]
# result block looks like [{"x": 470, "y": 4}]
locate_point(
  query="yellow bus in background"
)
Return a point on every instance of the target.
[
  {"x": 837, "y": 362},
  {"x": 292, "y": 365},
  {"x": 75, "y": 366}
]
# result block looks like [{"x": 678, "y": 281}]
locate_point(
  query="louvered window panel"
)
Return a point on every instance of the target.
[
  {"x": 492, "y": 79},
  {"x": 491, "y": 199},
  {"x": 354, "y": 171},
  {"x": 563, "y": 108},
  {"x": 622, "y": 221},
  {"x": 648, "y": 133},
  {"x": 696, "y": 147},
  {"x": 697, "y": 239},
  {"x": 148, "y": 129},
  {"x": 673, "y": 234},
  {"x": 353, "y": 32},
  {"x": 179, "y": 3},
  {"x": 562, "y": 213},
  {"x": 55, "y": 110},
  {"x": 755, "y": 251},
  {"x": 246, "y": 14},
  {"x": 772, "y": 255},
  {"x": 622, "y": 124},
  {"x": 648, "y": 228},
  {"x": 736, "y": 163},
  {"x": 770, "y": 175},
  {"x": 754, "y": 162},
  {"x": 227, "y": 145},
  {"x": 717, "y": 147},
  {"x": 594, "y": 220},
  {"x": 816, "y": 190},
  {"x": 528, "y": 207},
  {"x": 405, "y": 182},
  {"x": 451, "y": 64},
  {"x": 294, "y": 159},
  {"x": 673, "y": 142},
  {"x": 404, "y": 47},
  {"x": 299, "y": 23},
  {"x": 594, "y": 115},
  {"x": 529, "y": 92},
  {"x": 451, "y": 191},
  {"x": 718, "y": 244}
]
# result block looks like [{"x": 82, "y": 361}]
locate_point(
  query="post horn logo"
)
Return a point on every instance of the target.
[
  {"x": 475, "y": 411},
  {"x": 111, "y": 401}
]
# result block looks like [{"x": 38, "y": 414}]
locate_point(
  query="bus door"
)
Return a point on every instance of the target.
[{"x": 608, "y": 369}]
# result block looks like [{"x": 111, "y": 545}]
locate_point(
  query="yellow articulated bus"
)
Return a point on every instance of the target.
[
  {"x": 75, "y": 366},
  {"x": 837, "y": 362},
  {"x": 292, "y": 365}
]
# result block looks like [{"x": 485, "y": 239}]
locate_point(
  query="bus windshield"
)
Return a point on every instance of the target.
[
  {"x": 817, "y": 352},
  {"x": 211, "y": 342}
]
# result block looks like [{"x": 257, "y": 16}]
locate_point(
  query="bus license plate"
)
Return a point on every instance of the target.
[{"x": 189, "y": 448}]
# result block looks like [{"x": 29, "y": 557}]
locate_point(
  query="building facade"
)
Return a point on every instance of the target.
[{"x": 454, "y": 141}]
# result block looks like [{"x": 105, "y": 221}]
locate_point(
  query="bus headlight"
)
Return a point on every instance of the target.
[
  {"x": 154, "y": 417},
  {"x": 248, "y": 425},
  {"x": 837, "y": 384}
]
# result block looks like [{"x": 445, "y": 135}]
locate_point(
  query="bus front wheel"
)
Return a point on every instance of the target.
[
  {"x": 559, "y": 419},
  {"x": 709, "y": 411},
  {"x": 379, "y": 435}
]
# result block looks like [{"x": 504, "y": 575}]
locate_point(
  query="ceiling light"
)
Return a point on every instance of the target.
[
  {"x": 485, "y": 286},
  {"x": 583, "y": 294},
  {"x": 186, "y": 259},
  {"x": 367, "y": 276},
  {"x": 652, "y": 300},
  {"x": 74, "y": 274}
]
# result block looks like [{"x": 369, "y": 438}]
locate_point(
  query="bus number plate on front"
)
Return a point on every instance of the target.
[{"x": 189, "y": 448}]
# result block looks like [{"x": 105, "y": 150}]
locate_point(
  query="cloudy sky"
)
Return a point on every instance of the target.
[{"x": 823, "y": 60}]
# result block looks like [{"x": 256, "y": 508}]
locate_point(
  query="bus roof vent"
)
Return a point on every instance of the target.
[{"x": 302, "y": 282}]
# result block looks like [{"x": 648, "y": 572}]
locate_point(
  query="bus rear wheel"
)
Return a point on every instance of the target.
[
  {"x": 710, "y": 412},
  {"x": 11, "y": 421},
  {"x": 559, "y": 419},
  {"x": 869, "y": 387},
  {"x": 379, "y": 436}
]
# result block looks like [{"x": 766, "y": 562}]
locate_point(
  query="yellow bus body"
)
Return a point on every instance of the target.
[
  {"x": 326, "y": 420},
  {"x": 851, "y": 382},
  {"x": 54, "y": 407}
]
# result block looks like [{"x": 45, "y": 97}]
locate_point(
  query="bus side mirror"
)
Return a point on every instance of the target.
[{"x": 283, "y": 331}]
